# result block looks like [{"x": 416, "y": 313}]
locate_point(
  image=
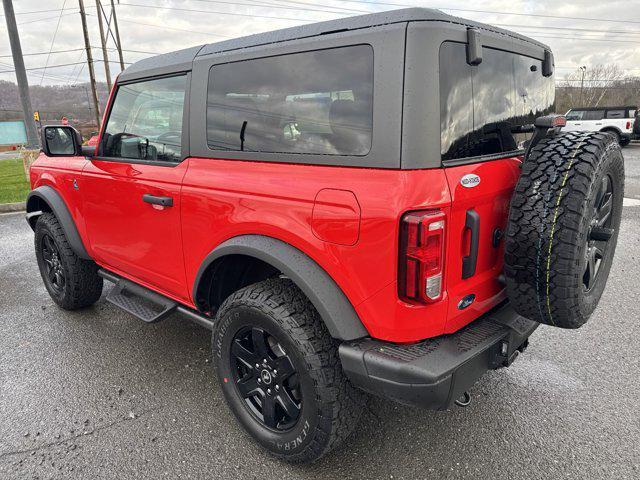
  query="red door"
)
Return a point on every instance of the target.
[{"x": 131, "y": 231}]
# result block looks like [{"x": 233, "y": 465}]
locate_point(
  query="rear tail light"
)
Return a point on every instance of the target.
[
  {"x": 629, "y": 125},
  {"x": 421, "y": 262}
]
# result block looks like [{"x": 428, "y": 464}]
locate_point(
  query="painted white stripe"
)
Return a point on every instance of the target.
[{"x": 631, "y": 202}]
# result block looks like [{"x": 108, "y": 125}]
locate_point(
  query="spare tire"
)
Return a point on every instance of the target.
[{"x": 563, "y": 227}]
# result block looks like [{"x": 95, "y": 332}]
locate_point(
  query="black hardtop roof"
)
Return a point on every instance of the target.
[{"x": 181, "y": 60}]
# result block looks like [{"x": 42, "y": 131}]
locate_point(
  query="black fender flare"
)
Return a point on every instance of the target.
[
  {"x": 332, "y": 304},
  {"x": 49, "y": 196}
]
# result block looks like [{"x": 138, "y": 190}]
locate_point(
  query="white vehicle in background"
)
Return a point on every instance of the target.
[{"x": 615, "y": 120}]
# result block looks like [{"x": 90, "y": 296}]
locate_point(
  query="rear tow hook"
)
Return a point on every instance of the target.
[{"x": 464, "y": 400}]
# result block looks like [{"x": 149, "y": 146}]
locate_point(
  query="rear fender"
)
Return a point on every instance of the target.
[{"x": 331, "y": 303}]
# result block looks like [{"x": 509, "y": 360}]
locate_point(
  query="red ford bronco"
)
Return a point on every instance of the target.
[{"x": 380, "y": 203}]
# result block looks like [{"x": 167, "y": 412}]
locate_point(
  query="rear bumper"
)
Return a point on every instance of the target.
[{"x": 435, "y": 372}]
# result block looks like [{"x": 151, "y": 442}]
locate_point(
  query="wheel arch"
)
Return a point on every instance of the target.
[
  {"x": 611, "y": 128},
  {"x": 47, "y": 199},
  {"x": 273, "y": 256}
]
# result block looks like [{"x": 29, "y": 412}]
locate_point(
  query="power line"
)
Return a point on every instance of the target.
[
  {"x": 46, "y": 53},
  {"x": 53, "y": 40},
  {"x": 349, "y": 10},
  {"x": 57, "y": 66},
  {"x": 588, "y": 30},
  {"x": 285, "y": 7},
  {"x": 493, "y": 12},
  {"x": 235, "y": 14},
  {"x": 588, "y": 39},
  {"x": 47, "y": 18},
  {"x": 164, "y": 27},
  {"x": 44, "y": 11}
]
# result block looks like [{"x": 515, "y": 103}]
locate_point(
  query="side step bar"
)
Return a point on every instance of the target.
[{"x": 145, "y": 304}]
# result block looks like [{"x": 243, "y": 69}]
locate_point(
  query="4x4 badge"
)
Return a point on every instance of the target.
[{"x": 470, "y": 180}]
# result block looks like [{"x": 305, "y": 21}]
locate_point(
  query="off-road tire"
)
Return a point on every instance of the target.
[
  {"x": 331, "y": 406},
  {"x": 615, "y": 135},
  {"x": 549, "y": 236},
  {"x": 82, "y": 285}
]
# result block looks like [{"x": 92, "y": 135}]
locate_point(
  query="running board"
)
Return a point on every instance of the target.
[
  {"x": 146, "y": 305},
  {"x": 139, "y": 302}
]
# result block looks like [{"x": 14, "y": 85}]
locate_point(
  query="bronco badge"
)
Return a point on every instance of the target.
[{"x": 470, "y": 180}]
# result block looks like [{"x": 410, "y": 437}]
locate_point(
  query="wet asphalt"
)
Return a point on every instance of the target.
[{"x": 99, "y": 394}]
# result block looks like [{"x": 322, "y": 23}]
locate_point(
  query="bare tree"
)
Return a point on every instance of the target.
[{"x": 595, "y": 86}]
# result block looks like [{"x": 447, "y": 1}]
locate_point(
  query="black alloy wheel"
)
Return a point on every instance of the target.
[
  {"x": 53, "y": 265},
  {"x": 266, "y": 378},
  {"x": 280, "y": 371},
  {"x": 600, "y": 232}
]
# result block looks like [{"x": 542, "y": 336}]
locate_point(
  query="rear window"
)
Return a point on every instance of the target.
[
  {"x": 481, "y": 105},
  {"x": 318, "y": 102},
  {"x": 615, "y": 114}
]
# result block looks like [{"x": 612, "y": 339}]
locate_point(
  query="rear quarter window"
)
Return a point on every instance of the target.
[
  {"x": 318, "y": 102},
  {"x": 480, "y": 106},
  {"x": 615, "y": 114}
]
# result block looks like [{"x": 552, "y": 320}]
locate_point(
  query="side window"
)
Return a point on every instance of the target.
[
  {"x": 318, "y": 102},
  {"x": 593, "y": 115},
  {"x": 575, "y": 115},
  {"x": 145, "y": 122},
  {"x": 481, "y": 107},
  {"x": 615, "y": 114}
]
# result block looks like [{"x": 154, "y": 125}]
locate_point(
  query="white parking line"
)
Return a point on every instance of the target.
[{"x": 630, "y": 202}]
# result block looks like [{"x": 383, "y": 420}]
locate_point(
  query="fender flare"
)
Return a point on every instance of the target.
[
  {"x": 332, "y": 304},
  {"x": 610, "y": 128},
  {"x": 49, "y": 196}
]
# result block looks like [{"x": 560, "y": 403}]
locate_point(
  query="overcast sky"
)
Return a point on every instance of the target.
[{"x": 158, "y": 26}]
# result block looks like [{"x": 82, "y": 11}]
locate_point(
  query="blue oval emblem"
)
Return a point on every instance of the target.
[{"x": 466, "y": 301}]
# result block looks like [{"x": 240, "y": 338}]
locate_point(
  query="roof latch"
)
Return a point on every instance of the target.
[
  {"x": 474, "y": 47},
  {"x": 547, "y": 64}
]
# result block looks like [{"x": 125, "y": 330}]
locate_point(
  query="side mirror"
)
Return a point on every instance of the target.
[{"x": 61, "y": 141}]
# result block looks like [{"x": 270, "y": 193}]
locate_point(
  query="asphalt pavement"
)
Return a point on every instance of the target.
[{"x": 99, "y": 394}]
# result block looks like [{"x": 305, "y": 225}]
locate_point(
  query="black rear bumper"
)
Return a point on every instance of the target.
[{"x": 437, "y": 371}]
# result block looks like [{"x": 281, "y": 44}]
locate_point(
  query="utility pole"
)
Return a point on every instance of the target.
[
  {"x": 583, "y": 69},
  {"x": 21, "y": 74},
  {"x": 92, "y": 73},
  {"x": 103, "y": 41},
  {"x": 119, "y": 45}
]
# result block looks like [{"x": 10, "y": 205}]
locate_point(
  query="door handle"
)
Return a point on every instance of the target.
[
  {"x": 469, "y": 262},
  {"x": 155, "y": 200}
]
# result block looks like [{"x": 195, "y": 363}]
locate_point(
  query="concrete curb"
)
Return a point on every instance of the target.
[{"x": 13, "y": 207}]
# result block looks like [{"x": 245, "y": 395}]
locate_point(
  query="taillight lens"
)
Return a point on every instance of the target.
[
  {"x": 421, "y": 262},
  {"x": 628, "y": 125}
]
